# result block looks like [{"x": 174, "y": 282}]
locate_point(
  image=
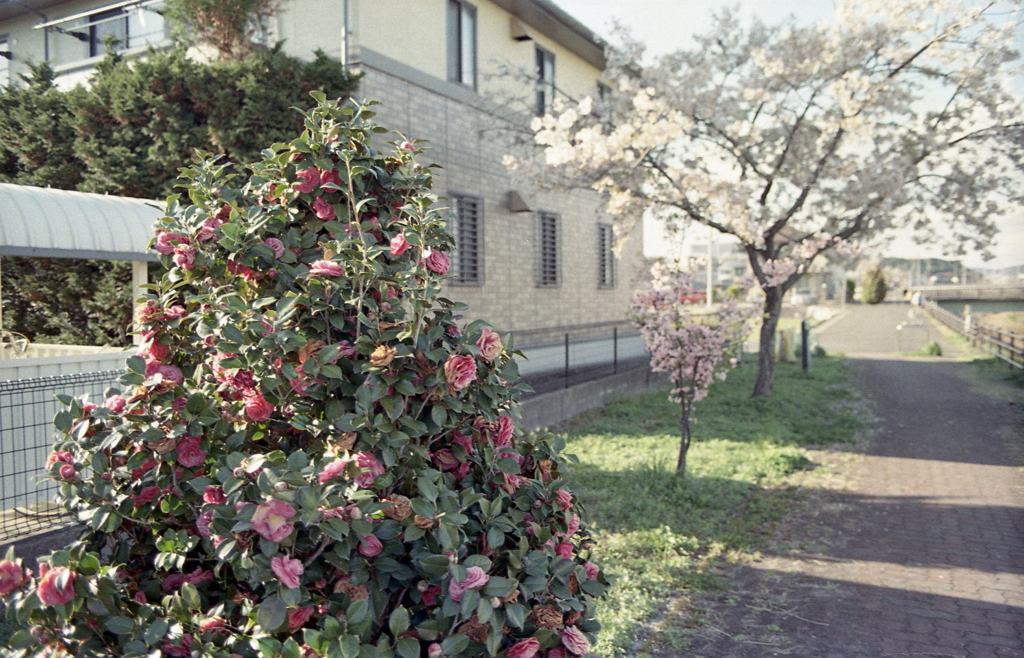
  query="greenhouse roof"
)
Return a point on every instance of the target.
[{"x": 49, "y": 223}]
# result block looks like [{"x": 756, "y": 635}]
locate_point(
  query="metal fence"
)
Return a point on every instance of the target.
[
  {"x": 1005, "y": 345},
  {"x": 27, "y": 408}
]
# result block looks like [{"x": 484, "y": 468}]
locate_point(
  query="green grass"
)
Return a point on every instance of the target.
[{"x": 660, "y": 536}]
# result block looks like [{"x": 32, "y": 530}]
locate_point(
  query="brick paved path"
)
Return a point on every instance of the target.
[{"x": 922, "y": 554}]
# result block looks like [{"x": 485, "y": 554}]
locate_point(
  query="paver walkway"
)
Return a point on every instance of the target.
[{"x": 923, "y": 553}]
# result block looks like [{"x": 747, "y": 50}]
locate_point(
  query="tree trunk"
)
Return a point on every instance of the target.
[
  {"x": 684, "y": 432},
  {"x": 766, "y": 349}
]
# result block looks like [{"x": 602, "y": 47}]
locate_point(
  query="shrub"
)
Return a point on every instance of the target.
[
  {"x": 310, "y": 458},
  {"x": 873, "y": 286}
]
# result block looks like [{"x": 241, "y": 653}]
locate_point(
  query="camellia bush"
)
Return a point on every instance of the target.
[
  {"x": 309, "y": 457},
  {"x": 685, "y": 341}
]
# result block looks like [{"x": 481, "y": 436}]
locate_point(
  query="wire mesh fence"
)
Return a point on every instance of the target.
[{"x": 27, "y": 407}]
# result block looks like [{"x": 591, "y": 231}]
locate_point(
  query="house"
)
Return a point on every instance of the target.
[{"x": 465, "y": 75}]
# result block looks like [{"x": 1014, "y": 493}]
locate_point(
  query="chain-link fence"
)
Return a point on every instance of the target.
[{"x": 27, "y": 408}]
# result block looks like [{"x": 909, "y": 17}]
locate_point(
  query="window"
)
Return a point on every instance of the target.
[
  {"x": 605, "y": 256},
  {"x": 467, "y": 228},
  {"x": 462, "y": 43},
  {"x": 130, "y": 28},
  {"x": 5, "y": 62},
  {"x": 545, "y": 63},
  {"x": 548, "y": 236}
]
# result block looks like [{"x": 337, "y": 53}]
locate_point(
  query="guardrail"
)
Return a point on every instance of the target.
[{"x": 1005, "y": 345}]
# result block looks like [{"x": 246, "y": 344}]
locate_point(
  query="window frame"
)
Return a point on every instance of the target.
[
  {"x": 554, "y": 246},
  {"x": 456, "y": 10},
  {"x": 606, "y": 269},
  {"x": 456, "y": 229},
  {"x": 96, "y": 46},
  {"x": 544, "y": 89}
]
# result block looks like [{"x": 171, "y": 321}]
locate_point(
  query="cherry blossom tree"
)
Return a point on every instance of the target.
[
  {"x": 686, "y": 341},
  {"x": 800, "y": 139}
]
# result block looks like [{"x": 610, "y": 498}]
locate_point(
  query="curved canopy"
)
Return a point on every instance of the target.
[{"x": 49, "y": 223}]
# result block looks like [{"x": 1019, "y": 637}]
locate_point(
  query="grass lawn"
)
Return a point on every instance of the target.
[{"x": 661, "y": 536}]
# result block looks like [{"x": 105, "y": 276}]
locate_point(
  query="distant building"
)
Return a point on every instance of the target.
[{"x": 526, "y": 259}]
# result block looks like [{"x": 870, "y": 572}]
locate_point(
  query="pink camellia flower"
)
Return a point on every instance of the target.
[
  {"x": 371, "y": 469},
  {"x": 190, "y": 454},
  {"x": 573, "y": 526},
  {"x": 325, "y": 268},
  {"x": 68, "y": 472},
  {"x": 460, "y": 371},
  {"x": 59, "y": 456},
  {"x": 287, "y": 570},
  {"x": 332, "y": 470},
  {"x": 370, "y": 546},
  {"x": 502, "y": 434},
  {"x": 564, "y": 499},
  {"x": 475, "y": 577},
  {"x": 298, "y": 618},
  {"x": 165, "y": 242},
  {"x": 203, "y": 523},
  {"x": 256, "y": 407},
  {"x": 174, "y": 581},
  {"x": 178, "y": 652},
  {"x": 214, "y": 495},
  {"x": 115, "y": 403},
  {"x": 438, "y": 262},
  {"x": 346, "y": 350},
  {"x": 323, "y": 210},
  {"x": 574, "y": 641},
  {"x": 398, "y": 245},
  {"x": 211, "y": 624},
  {"x": 429, "y": 595},
  {"x": 184, "y": 257},
  {"x": 557, "y": 652},
  {"x": 11, "y": 577},
  {"x": 271, "y": 520},
  {"x": 146, "y": 496},
  {"x": 592, "y": 570},
  {"x": 174, "y": 312},
  {"x": 489, "y": 344},
  {"x": 527, "y": 648},
  {"x": 51, "y": 591},
  {"x": 155, "y": 350},
  {"x": 276, "y": 245},
  {"x": 408, "y": 146},
  {"x": 445, "y": 460},
  {"x": 168, "y": 372},
  {"x": 461, "y": 439},
  {"x": 564, "y": 549},
  {"x": 311, "y": 179}
]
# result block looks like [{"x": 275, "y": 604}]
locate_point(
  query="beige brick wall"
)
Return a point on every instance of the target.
[{"x": 468, "y": 143}]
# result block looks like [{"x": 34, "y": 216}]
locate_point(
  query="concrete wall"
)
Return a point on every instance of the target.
[
  {"x": 550, "y": 408},
  {"x": 67, "y": 364}
]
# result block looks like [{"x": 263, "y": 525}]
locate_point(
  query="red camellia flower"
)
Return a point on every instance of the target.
[
  {"x": 475, "y": 577},
  {"x": 11, "y": 577},
  {"x": 184, "y": 257},
  {"x": 325, "y": 268},
  {"x": 370, "y": 546},
  {"x": 323, "y": 210},
  {"x": 527, "y": 648},
  {"x": 166, "y": 242},
  {"x": 371, "y": 469},
  {"x": 460, "y": 371},
  {"x": 438, "y": 262},
  {"x": 146, "y": 496},
  {"x": 214, "y": 495},
  {"x": 56, "y": 585},
  {"x": 256, "y": 407},
  {"x": 574, "y": 641},
  {"x": 311, "y": 179},
  {"x": 276, "y": 245},
  {"x": 68, "y": 472},
  {"x": 297, "y": 618},
  {"x": 190, "y": 454}
]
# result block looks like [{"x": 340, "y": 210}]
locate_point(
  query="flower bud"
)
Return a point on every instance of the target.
[
  {"x": 281, "y": 486},
  {"x": 106, "y": 477},
  {"x": 452, "y": 557},
  {"x": 495, "y": 602},
  {"x": 422, "y": 586},
  {"x": 238, "y": 472},
  {"x": 354, "y": 512},
  {"x": 434, "y": 650}
]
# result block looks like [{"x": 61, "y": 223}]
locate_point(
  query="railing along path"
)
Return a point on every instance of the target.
[{"x": 1005, "y": 345}]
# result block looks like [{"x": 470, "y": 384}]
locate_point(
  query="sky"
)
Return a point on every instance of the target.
[{"x": 667, "y": 25}]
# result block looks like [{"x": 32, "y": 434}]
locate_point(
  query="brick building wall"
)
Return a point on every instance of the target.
[{"x": 468, "y": 142}]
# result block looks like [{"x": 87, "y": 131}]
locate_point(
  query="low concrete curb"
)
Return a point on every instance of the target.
[{"x": 550, "y": 408}]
